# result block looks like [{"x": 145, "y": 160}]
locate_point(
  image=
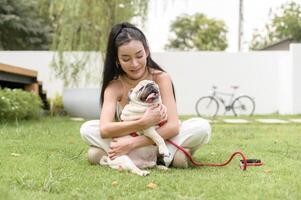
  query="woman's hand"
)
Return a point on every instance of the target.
[
  {"x": 164, "y": 116},
  {"x": 154, "y": 115},
  {"x": 120, "y": 146}
]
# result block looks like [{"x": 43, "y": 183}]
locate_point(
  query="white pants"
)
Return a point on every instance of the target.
[{"x": 193, "y": 134}]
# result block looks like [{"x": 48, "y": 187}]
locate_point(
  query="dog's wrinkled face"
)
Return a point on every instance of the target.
[{"x": 146, "y": 91}]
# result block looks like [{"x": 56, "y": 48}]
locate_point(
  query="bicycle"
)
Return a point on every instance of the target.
[{"x": 208, "y": 106}]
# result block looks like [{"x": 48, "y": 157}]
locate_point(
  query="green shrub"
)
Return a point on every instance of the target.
[
  {"x": 56, "y": 106},
  {"x": 19, "y": 104}
]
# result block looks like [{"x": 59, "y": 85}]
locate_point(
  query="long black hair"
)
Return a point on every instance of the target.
[{"x": 121, "y": 34}]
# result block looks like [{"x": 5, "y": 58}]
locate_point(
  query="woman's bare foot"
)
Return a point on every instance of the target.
[
  {"x": 95, "y": 154},
  {"x": 180, "y": 160}
]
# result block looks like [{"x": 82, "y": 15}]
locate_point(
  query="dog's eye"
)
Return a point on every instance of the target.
[{"x": 140, "y": 89}]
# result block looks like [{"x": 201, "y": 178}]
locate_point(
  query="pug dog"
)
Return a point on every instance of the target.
[{"x": 141, "y": 97}]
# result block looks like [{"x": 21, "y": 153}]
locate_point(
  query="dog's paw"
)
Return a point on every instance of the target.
[
  {"x": 162, "y": 167},
  {"x": 164, "y": 159},
  {"x": 163, "y": 151},
  {"x": 144, "y": 173},
  {"x": 167, "y": 159}
]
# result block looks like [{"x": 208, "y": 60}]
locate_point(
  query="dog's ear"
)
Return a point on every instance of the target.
[{"x": 129, "y": 94}]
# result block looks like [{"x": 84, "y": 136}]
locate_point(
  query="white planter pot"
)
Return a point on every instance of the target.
[{"x": 82, "y": 102}]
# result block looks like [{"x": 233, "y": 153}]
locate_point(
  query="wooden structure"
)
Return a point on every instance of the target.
[{"x": 17, "y": 77}]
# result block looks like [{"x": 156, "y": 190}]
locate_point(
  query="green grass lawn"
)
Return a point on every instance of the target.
[{"x": 45, "y": 159}]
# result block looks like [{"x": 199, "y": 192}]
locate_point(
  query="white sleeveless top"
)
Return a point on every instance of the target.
[{"x": 118, "y": 112}]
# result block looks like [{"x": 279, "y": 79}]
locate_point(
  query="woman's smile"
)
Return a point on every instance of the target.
[
  {"x": 136, "y": 74},
  {"x": 136, "y": 71}
]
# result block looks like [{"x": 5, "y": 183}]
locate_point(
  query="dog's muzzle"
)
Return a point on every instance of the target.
[{"x": 150, "y": 93}]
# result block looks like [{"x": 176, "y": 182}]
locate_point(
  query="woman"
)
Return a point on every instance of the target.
[{"x": 127, "y": 62}]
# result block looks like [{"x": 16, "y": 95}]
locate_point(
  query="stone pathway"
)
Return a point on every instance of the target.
[
  {"x": 262, "y": 121},
  {"x": 236, "y": 121},
  {"x": 272, "y": 121},
  {"x": 295, "y": 120},
  {"x": 78, "y": 119}
]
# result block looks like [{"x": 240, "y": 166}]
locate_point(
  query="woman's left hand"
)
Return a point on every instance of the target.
[
  {"x": 163, "y": 111},
  {"x": 120, "y": 146}
]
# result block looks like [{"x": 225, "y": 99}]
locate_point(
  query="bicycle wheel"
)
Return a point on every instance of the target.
[
  {"x": 243, "y": 105},
  {"x": 207, "y": 106}
]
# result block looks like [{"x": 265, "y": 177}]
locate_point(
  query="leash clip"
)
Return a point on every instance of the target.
[{"x": 250, "y": 162}]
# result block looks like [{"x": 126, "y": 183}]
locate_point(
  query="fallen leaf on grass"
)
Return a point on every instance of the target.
[
  {"x": 114, "y": 183},
  {"x": 15, "y": 154},
  {"x": 151, "y": 185}
]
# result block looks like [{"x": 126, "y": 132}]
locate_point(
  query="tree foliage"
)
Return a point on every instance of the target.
[
  {"x": 197, "y": 32},
  {"x": 21, "y": 26},
  {"x": 84, "y": 25},
  {"x": 285, "y": 24}
]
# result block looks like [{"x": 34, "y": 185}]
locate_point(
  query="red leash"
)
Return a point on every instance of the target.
[{"x": 244, "y": 163}]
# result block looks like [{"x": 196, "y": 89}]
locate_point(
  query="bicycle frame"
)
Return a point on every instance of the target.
[
  {"x": 219, "y": 96},
  {"x": 239, "y": 104}
]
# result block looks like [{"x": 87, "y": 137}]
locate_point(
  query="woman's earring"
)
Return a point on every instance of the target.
[{"x": 117, "y": 65}]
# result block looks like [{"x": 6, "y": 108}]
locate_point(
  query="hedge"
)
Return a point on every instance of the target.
[{"x": 16, "y": 104}]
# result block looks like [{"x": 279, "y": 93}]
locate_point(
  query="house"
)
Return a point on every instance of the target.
[
  {"x": 282, "y": 45},
  {"x": 21, "y": 78}
]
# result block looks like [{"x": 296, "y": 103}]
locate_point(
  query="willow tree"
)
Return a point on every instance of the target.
[{"x": 84, "y": 25}]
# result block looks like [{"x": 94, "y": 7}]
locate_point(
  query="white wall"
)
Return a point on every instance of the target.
[
  {"x": 271, "y": 77},
  {"x": 285, "y": 89},
  {"x": 256, "y": 73},
  {"x": 296, "y": 77}
]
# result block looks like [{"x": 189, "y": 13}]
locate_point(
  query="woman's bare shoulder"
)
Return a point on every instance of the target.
[
  {"x": 115, "y": 87},
  {"x": 115, "y": 84},
  {"x": 160, "y": 76}
]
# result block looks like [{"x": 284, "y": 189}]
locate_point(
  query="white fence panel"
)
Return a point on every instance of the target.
[
  {"x": 271, "y": 77},
  {"x": 256, "y": 74}
]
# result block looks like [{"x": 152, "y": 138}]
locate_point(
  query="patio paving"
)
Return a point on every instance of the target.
[
  {"x": 272, "y": 121},
  {"x": 236, "y": 121},
  {"x": 263, "y": 121},
  {"x": 79, "y": 119},
  {"x": 212, "y": 121},
  {"x": 295, "y": 120}
]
